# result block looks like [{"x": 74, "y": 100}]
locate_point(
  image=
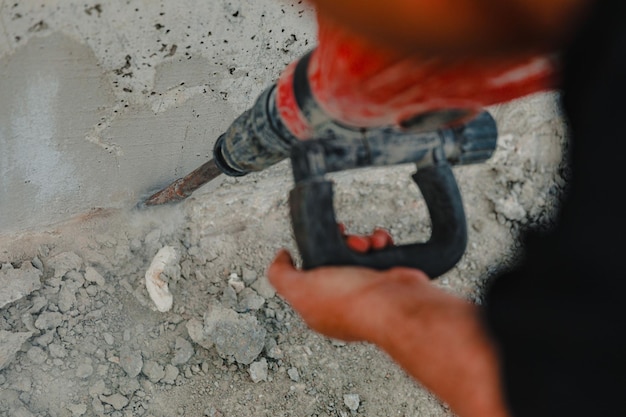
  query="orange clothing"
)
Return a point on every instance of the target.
[{"x": 362, "y": 84}]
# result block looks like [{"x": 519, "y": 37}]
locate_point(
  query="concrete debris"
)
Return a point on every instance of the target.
[
  {"x": 264, "y": 288},
  {"x": 64, "y": 262},
  {"x": 108, "y": 338},
  {"x": 97, "y": 389},
  {"x": 21, "y": 411},
  {"x": 153, "y": 371},
  {"x": 293, "y": 374},
  {"x": 117, "y": 401},
  {"x": 84, "y": 370},
  {"x": 45, "y": 339},
  {"x": 171, "y": 373},
  {"x": 18, "y": 283},
  {"x": 77, "y": 410},
  {"x": 92, "y": 275},
  {"x": 156, "y": 282},
  {"x": 183, "y": 351},
  {"x": 250, "y": 300},
  {"x": 258, "y": 371},
  {"x": 131, "y": 361},
  {"x": 49, "y": 320},
  {"x": 67, "y": 298},
  {"x": 57, "y": 351},
  {"x": 239, "y": 336},
  {"x": 10, "y": 344},
  {"x": 510, "y": 208},
  {"x": 352, "y": 401},
  {"x": 236, "y": 283},
  {"x": 37, "y": 355},
  {"x": 248, "y": 276},
  {"x": 195, "y": 329}
]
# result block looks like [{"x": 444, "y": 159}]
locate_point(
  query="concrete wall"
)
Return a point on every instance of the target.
[{"x": 101, "y": 103}]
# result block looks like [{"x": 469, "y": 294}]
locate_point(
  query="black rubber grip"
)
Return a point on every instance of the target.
[{"x": 321, "y": 244}]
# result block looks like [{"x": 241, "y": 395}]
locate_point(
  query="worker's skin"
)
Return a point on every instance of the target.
[
  {"x": 439, "y": 339},
  {"x": 455, "y": 27}
]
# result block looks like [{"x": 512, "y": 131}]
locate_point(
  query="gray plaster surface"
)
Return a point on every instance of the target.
[{"x": 102, "y": 103}]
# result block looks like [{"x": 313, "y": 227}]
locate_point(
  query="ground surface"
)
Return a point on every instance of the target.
[{"x": 80, "y": 336}]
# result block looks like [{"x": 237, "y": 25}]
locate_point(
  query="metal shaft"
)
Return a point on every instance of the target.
[{"x": 184, "y": 187}]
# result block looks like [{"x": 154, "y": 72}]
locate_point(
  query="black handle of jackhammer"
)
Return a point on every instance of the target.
[{"x": 321, "y": 244}]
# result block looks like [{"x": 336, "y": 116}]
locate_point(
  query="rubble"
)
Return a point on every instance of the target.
[
  {"x": 10, "y": 344},
  {"x": 16, "y": 283}
]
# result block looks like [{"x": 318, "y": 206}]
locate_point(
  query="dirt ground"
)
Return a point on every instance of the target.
[{"x": 80, "y": 336}]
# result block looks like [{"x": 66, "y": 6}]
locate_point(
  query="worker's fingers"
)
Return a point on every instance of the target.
[
  {"x": 380, "y": 239},
  {"x": 359, "y": 244}
]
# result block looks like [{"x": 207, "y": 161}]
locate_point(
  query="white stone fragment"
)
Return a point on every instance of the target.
[
  {"x": 258, "y": 371},
  {"x": 157, "y": 287},
  {"x": 236, "y": 283},
  {"x": 352, "y": 401}
]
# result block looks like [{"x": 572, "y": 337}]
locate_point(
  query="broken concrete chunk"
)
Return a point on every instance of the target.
[
  {"x": 234, "y": 335},
  {"x": 56, "y": 350},
  {"x": 37, "y": 355},
  {"x": 18, "y": 283},
  {"x": 248, "y": 275},
  {"x": 77, "y": 410},
  {"x": 195, "y": 328},
  {"x": 67, "y": 298},
  {"x": 117, "y": 401},
  {"x": 10, "y": 344},
  {"x": 171, "y": 373},
  {"x": 294, "y": 375},
  {"x": 250, "y": 300},
  {"x": 264, "y": 288},
  {"x": 49, "y": 320},
  {"x": 258, "y": 371},
  {"x": 45, "y": 339},
  {"x": 64, "y": 262},
  {"x": 352, "y": 401},
  {"x": 184, "y": 351},
  {"x": 510, "y": 208},
  {"x": 92, "y": 275},
  {"x": 155, "y": 281},
  {"x": 153, "y": 371},
  {"x": 97, "y": 388},
  {"x": 131, "y": 361}
]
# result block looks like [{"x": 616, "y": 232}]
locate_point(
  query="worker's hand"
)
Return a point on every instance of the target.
[
  {"x": 348, "y": 303},
  {"x": 338, "y": 293},
  {"x": 437, "y": 338}
]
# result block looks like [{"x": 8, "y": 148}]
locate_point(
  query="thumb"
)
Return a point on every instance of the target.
[{"x": 281, "y": 269}]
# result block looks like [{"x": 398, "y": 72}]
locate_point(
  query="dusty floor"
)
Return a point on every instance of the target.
[{"x": 79, "y": 335}]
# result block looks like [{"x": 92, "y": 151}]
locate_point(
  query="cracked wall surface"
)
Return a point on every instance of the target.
[{"x": 102, "y": 103}]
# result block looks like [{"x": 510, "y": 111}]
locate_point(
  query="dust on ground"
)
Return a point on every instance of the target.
[{"x": 80, "y": 335}]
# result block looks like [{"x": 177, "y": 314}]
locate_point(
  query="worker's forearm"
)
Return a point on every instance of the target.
[
  {"x": 457, "y": 26},
  {"x": 444, "y": 346}
]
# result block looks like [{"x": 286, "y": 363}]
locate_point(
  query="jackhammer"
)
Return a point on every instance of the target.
[{"x": 258, "y": 139}]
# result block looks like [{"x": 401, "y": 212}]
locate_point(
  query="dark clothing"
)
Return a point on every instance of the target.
[{"x": 560, "y": 319}]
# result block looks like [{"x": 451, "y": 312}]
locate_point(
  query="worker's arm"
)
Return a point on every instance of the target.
[
  {"x": 437, "y": 338},
  {"x": 458, "y": 26}
]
